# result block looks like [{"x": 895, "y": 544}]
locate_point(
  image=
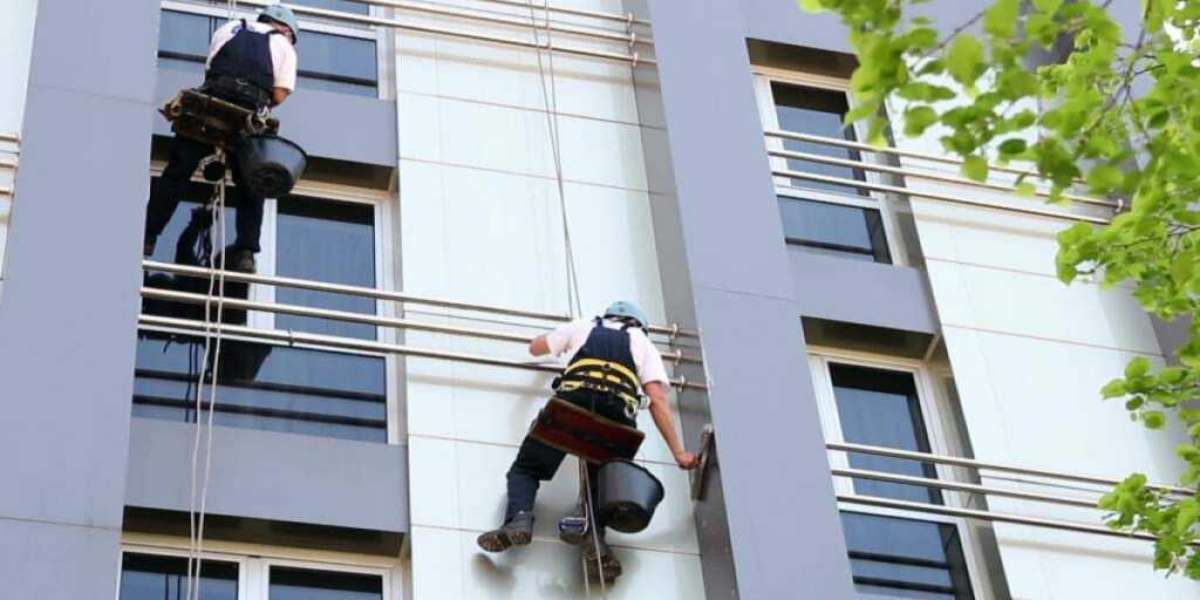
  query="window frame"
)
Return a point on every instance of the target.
[
  {"x": 387, "y": 263},
  {"x": 765, "y": 97},
  {"x": 940, "y": 430},
  {"x": 255, "y": 561},
  {"x": 315, "y": 24}
]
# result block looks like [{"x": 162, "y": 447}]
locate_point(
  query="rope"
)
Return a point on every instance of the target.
[{"x": 550, "y": 103}]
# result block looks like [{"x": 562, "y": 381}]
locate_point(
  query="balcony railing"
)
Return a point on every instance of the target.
[
  {"x": 605, "y": 28},
  {"x": 663, "y": 335},
  {"x": 886, "y": 162},
  {"x": 10, "y": 144},
  {"x": 1084, "y": 490}
]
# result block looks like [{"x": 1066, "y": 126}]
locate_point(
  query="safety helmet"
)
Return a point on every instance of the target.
[
  {"x": 627, "y": 310},
  {"x": 282, "y": 14}
]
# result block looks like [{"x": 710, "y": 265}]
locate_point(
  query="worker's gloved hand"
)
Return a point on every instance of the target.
[{"x": 686, "y": 460}]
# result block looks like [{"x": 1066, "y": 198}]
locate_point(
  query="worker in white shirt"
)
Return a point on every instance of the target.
[
  {"x": 253, "y": 65},
  {"x": 617, "y": 339}
]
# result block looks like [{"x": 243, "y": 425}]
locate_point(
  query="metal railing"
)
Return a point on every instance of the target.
[
  {"x": 626, "y": 36},
  {"x": 1086, "y": 498},
  {"x": 907, "y": 173},
  {"x": 10, "y": 147},
  {"x": 170, "y": 324}
]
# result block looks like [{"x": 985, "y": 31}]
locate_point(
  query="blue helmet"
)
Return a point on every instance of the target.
[
  {"x": 627, "y": 310},
  {"x": 284, "y": 15}
]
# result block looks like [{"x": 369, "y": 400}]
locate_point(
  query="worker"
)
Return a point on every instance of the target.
[
  {"x": 253, "y": 65},
  {"x": 617, "y": 337}
]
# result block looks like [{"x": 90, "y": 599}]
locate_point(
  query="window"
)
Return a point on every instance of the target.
[
  {"x": 821, "y": 216},
  {"x": 264, "y": 386},
  {"x": 344, "y": 62},
  {"x": 161, "y": 574},
  {"x": 349, "y": 6},
  {"x": 894, "y": 553}
]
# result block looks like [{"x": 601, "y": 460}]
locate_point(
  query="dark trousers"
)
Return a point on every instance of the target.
[
  {"x": 185, "y": 156},
  {"x": 536, "y": 462}
]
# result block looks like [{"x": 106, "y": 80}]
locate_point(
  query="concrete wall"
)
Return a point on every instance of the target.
[
  {"x": 481, "y": 222},
  {"x": 70, "y": 298}
]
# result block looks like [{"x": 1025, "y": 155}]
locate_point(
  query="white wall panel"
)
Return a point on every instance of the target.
[
  {"x": 1029, "y": 356},
  {"x": 481, "y": 222}
]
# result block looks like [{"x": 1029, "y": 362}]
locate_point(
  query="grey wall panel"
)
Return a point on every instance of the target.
[
  {"x": 866, "y": 293},
  {"x": 782, "y": 21},
  {"x": 273, "y": 476},
  {"x": 326, "y": 124},
  {"x": 71, "y": 297}
]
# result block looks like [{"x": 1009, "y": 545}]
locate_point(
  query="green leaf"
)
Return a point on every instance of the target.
[
  {"x": 964, "y": 59},
  {"x": 812, "y": 6},
  {"x": 1113, "y": 389},
  {"x": 1025, "y": 189},
  {"x": 1047, "y": 6},
  {"x": 1137, "y": 367},
  {"x": 975, "y": 167},
  {"x": 1154, "y": 419},
  {"x": 917, "y": 119},
  {"x": 1105, "y": 178},
  {"x": 1013, "y": 146},
  {"x": 1001, "y": 19}
]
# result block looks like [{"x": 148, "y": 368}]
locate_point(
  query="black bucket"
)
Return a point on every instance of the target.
[
  {"x": 271, "y": 165},
  {"x": 627, "y": 495}
]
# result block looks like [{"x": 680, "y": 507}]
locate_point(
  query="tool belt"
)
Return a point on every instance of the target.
[
  {"x": 605, "y": 377},
  {"x": 198, "y": 115},
  {"x": 579, "y": 431}
]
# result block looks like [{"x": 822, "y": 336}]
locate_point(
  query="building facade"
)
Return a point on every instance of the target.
[{"x": 850, "y": 321}]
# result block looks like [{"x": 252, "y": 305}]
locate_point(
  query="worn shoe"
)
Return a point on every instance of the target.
[
  {"x": 241, "y": 260},
  {"x": 518, "y": 531},
  {"x": 608, "y": 566}
]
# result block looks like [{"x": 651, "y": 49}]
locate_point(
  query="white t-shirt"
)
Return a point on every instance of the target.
[
  {"x": 568, "y": 339},
  {"x": 283, "y": 55}
]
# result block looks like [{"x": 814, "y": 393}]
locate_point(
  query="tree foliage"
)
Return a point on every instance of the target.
[{"x": 1119, "y": 116}]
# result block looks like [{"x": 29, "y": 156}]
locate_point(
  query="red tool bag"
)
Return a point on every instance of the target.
[{"x": 579, "y": 431}]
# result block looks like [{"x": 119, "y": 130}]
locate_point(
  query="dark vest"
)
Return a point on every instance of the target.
[
  {"x": 604, "y": 364},
  {"x": 242, "y": 71},
  {"x": 611, "y": 345}
]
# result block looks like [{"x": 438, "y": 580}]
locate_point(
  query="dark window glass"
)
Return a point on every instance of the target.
[
  {"x": 820, "y": 112},
  {"x": 349, "y": 6},
  {"x": 326, "y": 61},
  {"x": 150, "y": 577},
  {"x": 270, "y": 387},
  {"x": 880, "y": 408},
  {"x": 326, "y": 241},
  {"x": 849, "y": 231},
  {"x": 304, "y": 584},
  {"x": 906, "y": 558}
]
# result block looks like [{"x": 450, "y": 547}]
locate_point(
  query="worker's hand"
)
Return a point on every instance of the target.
[{"x": 686, "y": 460}]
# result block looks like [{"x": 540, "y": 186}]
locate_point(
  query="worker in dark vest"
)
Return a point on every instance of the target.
[
  {"x": 617, "y": 338},
  {"x": 253, "y": 65}
]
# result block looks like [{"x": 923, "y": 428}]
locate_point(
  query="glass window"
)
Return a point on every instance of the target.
[
  {"x": 349, "y": 6},
  {"x": 304, "y": 584},
  {"x": 850, "y": 231},
  {"x": 815, "y": 111},
  {"x": 263, "y": 386},
  {"x": 153, "y": 577},
  {"x": 905, "y": 558},
  {"x": 881, "y": 408},
  {"x": 326, "y": 61}
]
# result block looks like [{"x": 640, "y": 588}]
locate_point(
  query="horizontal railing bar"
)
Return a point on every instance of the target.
[
  {"x": 336, "y": 342},
  {"x": 908, "y": 173},
  {"x": 10, "y": 137},
  {"x": 976, "y": 464},
  {"x": 513, "y": 21},
  {"x": 618, "y": 18},
  {"x": 6, "y": 191},
  {"x": 984, "y": 515},
  {"x": 879, "y": 187},
  {"x": 961, "y": 487},
  {"x": 378, "y": 294},
  {"x": 368, "y": 319},
  {"x": 481, "y": 37},
  {"x": 818, "y": 139}
]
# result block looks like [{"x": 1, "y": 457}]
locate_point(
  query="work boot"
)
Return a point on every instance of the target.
[
  {"x": 608, "y": 566},
  {"x": 241, "y": 260},
  {"x": 517, "y": 531}
]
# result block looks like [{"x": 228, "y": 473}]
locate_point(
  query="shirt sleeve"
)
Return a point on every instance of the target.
[
  {"x": 219, "y": 37},
  {"x": 650, "y": 367},
  {"x": 283, "y": 62},
  {"x": 560, "y": 340}
]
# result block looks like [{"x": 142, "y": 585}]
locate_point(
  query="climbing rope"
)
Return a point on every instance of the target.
[{"x": 575, "y": 304}]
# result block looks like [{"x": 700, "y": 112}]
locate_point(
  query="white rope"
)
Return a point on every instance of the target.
[{"x": 575, "y": 304}]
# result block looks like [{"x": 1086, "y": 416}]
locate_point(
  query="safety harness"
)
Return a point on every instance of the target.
[
  {"x": 242, "y": 71},
  {"x": 605, "y": 364}
]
